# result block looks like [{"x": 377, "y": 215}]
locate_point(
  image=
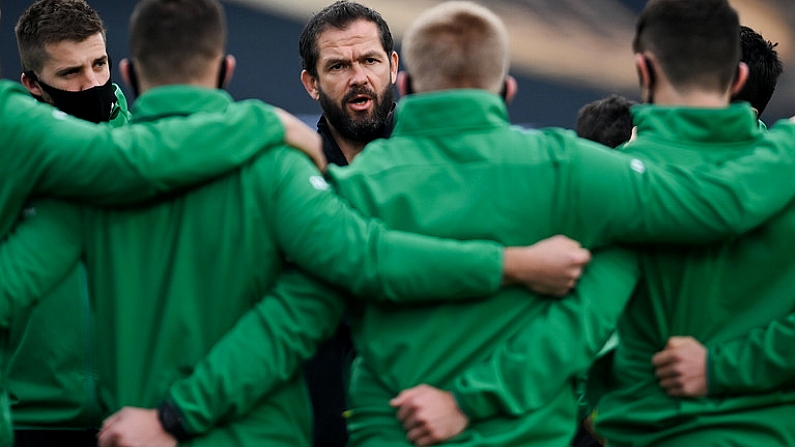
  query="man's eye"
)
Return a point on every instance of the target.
[
  {"x": 371, "y": 60},
  {"x": 101, "y": 63},
  {"x": 336, "y": 67}
]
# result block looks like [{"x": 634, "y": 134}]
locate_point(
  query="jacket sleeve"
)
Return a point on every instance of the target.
[
  {"x": 533, "y": 366},
  {"x": 318, "y": 232},
  {"x": 264, "y": 349},
  {"x": 644, "y": 202},
  {"x": 67, "y": 157},
  {"x": 40, "y": 251},
  {"x": 323, "y": 235},
  {"x": 763, "y": 361}
]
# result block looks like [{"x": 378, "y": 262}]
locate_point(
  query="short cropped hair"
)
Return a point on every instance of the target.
[
  {"x": 764, "y": 67},
  {"x": 52, "y": 21},
  {"x": 457, "y": 44},
  {"x": 607, "y": 121},
  {"x": 694, "y": 41},
  {"x": 338, "y": 15},
  {"x": 173, "y": 40}
]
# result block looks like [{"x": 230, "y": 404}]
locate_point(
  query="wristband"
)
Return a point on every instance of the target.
[{"x": 171, "y": 419}]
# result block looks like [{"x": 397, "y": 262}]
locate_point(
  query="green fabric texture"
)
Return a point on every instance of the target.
[
  {"x": 51, "y": 371},
  {"x": 454, "y": 167},
  {"x": 419, "y": 180},
  {"x": 714, "y": 293},
  {"x": 214, "y": 254},
  {"x": 45, "y": 151}
]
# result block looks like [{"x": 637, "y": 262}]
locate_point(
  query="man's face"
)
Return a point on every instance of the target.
[
  {"x": 74, "y": 66},
  {"x": 355, "y": 80}
]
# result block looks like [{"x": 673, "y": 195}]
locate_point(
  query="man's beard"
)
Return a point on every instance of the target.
[{"x": 364, "y": 129}]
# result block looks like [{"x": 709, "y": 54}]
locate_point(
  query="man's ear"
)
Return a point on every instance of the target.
[
  {"x": 310, "y": 84},
  {"x": 230, "y": 63},
  {"x": 393, "y": 67},
  {"x": 644, "y": 73},
  {"x": 647, "y": 69},
  {"x": 31, "y": 84},
  {"x": 511, "y": 88},
  {"x": 404, "y": 83},
  {"x": 124, "y": 69},
  {"x": 740, "y": 79}
]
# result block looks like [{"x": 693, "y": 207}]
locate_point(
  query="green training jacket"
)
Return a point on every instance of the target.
[
  {"x": 168, "y": 280},
  {"x": 51, "y": 369},
  {"x": 715, "y": 293},
  {"x": 455, "y": 167},
  {"x": 44, "y": 151}
]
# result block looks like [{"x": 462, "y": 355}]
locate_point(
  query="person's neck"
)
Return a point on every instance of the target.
[
  {"x": 692, "y": 98},
  {"x": 350, "y": 149}
]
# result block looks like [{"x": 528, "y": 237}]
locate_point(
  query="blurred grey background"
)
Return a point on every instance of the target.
[{"x": 565, "y": 52}]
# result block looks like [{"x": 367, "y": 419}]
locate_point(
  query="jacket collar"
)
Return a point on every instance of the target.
[
  {"x": 179, "y": 100},
  {"x": 450, "y": 111},
  {"x": 734, "y": 124}
]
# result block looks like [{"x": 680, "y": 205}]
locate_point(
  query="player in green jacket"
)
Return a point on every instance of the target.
[
  {"x": 636, "y": 413},
  {"x": 240, "y": 227},
  {"x": 454, "y": 166},
  {"x": 51, "y": 369},
  {"x": 715, "y": 294}
]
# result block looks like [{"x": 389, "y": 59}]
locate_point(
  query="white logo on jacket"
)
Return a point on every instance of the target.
[
  {"x": 637, "y": 166},
  {"x": 319, "y": 183}
]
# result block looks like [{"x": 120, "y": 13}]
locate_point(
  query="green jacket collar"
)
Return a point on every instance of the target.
[
  {"x": 178, "y": 100},
  {"x": 449, "y": 111},
  {"x": 120, "y": 115},
  {"x": 734, "y": 124}
]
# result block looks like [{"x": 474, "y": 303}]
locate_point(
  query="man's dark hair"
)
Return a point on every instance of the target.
[
  {"x": 607, "y": 121},
  {"x": 52, "y": 21},
  {"x": 764, "y": 68},
  {"x": 694, "y": 41},
  {"x": 338, "y": 15},
  {"x": 173, "y": 40}
]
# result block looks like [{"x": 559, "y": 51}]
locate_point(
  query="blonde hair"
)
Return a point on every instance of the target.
[{"x": 457, "y": 44}]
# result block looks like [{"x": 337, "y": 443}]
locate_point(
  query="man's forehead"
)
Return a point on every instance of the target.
[
  {"x": 361, "y": 35},
  {"x": 71, "y": 52}
]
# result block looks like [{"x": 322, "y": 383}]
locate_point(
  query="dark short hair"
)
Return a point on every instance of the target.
[
  {"x": 764, "y": 67},
  {"x": 172, "y": 40},
  {"x": 607, "y": 121},
  {"x": 694, "y": 41},
  {"x": 52, "y": 21},
  {"x": 338, "y": 15}
]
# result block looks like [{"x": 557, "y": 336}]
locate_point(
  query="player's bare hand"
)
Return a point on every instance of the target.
[
  {"x": 551, "y": 266},
  {"x": 303, "y": 138},
  {"x": 682, "y": 367},
  {"x": 134, "y": 427},
  {"x": 429, "y": 415}
]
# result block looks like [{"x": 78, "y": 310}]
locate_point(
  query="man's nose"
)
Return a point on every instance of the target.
[
  {"x": 358, "y": 75},
  {"x": 91, "y": 79}
]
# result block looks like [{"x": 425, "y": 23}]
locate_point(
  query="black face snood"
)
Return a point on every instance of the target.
[{"x": 94, "y": 104}]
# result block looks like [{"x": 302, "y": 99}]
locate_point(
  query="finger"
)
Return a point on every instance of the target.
[
  {"x": 671, "y": 383},
  {"x": 397, "y": 400},
  {"x": 667, "y": 372},
  {"x": 106, "y": 439},
  {"x": 405, "y": 411},
  {"x": 110, "y": 420},
  {"x": 582, "y": 256},
  {"x": 677, "y": 341},
  {"x": 412, "y": 422},
  {"x": 675, "y": 391},
  {"x": 426, "y": 440},
  {"x": 663, "y": 358},
  {"x": 417, "y": 433}
]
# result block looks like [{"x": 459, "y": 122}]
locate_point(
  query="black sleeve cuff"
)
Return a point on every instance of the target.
[{"x": 171, "y": 419}]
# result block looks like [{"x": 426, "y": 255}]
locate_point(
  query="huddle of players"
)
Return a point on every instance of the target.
[{"x": 500, "y": 371}]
